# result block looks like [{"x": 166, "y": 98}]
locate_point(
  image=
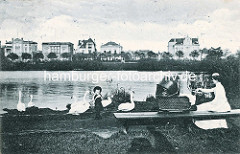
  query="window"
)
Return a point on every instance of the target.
[
  {"x": 52, "y": 49},
  {"x": 58, "y": 49},
  {"x": 55, "y": 49},
  {"x": 17, "y": 47}
]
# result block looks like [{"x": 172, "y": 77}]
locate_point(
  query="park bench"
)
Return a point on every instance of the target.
[{"x": 151, "y": 118}]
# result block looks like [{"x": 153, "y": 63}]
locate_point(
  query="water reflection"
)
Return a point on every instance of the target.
[{"x": 56, "y": 94}]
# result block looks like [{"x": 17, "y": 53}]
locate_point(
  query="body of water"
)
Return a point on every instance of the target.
[{"x": 53, "y": 89}]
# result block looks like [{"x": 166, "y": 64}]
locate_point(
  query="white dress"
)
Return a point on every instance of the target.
[{"x": 218, "y": 104}]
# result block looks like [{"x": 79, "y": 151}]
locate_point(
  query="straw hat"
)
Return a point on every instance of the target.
[{"x": 215, "y": 74}]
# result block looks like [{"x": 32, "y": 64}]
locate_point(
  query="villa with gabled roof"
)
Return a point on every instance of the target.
[{"x": 86, "y": 46}]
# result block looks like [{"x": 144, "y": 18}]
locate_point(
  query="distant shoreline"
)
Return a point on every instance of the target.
[{"x": 141, "y": 65}]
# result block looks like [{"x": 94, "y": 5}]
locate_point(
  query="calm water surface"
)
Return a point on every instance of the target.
[{"x": 54, "y": 89}]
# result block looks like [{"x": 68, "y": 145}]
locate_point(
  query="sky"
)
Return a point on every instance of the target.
[{"x": 135, "y": 24}]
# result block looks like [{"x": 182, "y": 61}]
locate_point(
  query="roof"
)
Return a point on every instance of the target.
[
  {"x": 25, "y": 42},
  {"x": 30, "y": 42},
  {"x": 180, "y": 40},
  {"x": 82, "y": 43},
  {"x": 10, "y": 42},
  {"x": 110, "y": 44},
  {"x": 18, "y": 39},
  {"x": 57, "y": 43}
]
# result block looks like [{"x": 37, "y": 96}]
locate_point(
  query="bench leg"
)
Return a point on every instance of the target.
[{"x": 124, "y": 127}]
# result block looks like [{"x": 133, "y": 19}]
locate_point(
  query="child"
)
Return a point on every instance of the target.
[{"x": 97, "y": 100}]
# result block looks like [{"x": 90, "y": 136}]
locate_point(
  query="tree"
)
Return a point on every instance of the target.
[
  {"x": 202, "y": 52},
  {"x": 142, "y": 55},
  {"x": 194, "y": 54},
  {"x": 179, "y": 54},
  {"x": 26, "y": 56},
  {"x": 122, "y": 54},
  {"x": 226, "y": 53},
  {"x": 214, "y": 53},
  {"x": 52, "y": 55},
  {"x": 238, "y": 54},
  {"x": 151, "y": 54},
  {"x": 166, "y": 55},
  {"x": 126, "y": 56},
  {"x": 12, "y": 56},
  {"x": 231, "y": 58},
  {"x": 94, "y": 55},
  {"x": 102, "y": 56},
  {"x": 38, "y": 56},
  {"x": 65, "y": 55},
  {"x": 137, "y": 55},
  {"x": 81, "y": 56}
]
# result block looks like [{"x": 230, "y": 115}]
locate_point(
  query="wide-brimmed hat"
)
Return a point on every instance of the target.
[{"x": 215, "y": 74}]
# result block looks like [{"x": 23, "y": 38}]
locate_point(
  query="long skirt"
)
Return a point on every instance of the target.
[{"x": 209, "y": 124}]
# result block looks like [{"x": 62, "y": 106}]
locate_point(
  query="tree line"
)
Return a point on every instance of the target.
[{"x": 212, "y": 53}]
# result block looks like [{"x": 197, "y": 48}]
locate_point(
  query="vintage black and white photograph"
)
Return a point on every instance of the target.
[{"x": 119, "y": 76}]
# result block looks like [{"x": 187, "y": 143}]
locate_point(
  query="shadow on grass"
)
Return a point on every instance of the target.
[{"x": 143, "y": 145}]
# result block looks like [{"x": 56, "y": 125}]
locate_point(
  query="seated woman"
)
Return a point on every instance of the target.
[{"x": 218, "y": 104}]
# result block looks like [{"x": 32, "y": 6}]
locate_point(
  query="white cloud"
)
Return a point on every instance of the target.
[{"x": 135, "y": 24}]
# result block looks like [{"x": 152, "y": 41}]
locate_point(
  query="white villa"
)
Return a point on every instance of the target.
[
  {"x": 86, "y": 46},
  {"x": 19, "y": 46},
  {"x": 111, "y": 51},
  {"x": 58, "y": 48},
  {"x": 112, "y": 48},
  {"x": 187, "y": 45}
]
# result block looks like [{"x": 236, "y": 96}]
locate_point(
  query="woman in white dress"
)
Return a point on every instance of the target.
[{"x": 218, "y": 104}]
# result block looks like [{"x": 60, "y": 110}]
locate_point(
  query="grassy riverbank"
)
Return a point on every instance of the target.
[{"x": 61, "y": 133}]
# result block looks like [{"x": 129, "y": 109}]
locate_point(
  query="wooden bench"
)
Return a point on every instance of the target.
[
  {"x": 145, "y": 118},
  {"x": 169, "y": 115}
]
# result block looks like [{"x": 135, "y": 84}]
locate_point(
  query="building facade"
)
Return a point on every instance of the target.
[
  {"x": 86, "y": 46},
  {"x": 111, "y": 51},
  {"x": 19, "y": 46},
  {"x": 112, "y": 48},
  {"x": 186, "y": 45},
  {"x": 59, "y": 49}
]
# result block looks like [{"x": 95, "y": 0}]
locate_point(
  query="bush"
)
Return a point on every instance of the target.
[
  {"x": 12, "y": 56},
  {"x": 38, "y": 56},
  {"x": 88, "y": 65}
]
